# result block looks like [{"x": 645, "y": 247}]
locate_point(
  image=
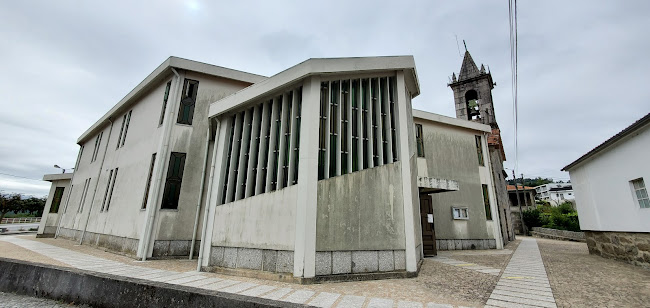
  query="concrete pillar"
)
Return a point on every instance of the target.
[
  {"x": 402, "y": 124},
  {"x": 304, "y": 262}
]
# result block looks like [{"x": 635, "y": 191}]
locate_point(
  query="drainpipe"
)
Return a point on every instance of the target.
[
  {"x": 208, "y": 197},
  {"x": 152, "y": 208},
  {"x": 101, "y": 166},
  {"x": 198, "y": 203}
]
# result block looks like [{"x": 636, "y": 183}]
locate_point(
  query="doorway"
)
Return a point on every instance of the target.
[{"x": 428, "y": 226}]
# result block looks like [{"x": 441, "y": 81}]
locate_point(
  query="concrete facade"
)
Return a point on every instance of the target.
[
  {"x": 50, "y": 219},
  {"x": 310, "y": 173},
  {"x": 610, "y": 184}
]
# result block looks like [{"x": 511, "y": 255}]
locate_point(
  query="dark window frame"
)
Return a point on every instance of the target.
[
  {"x": 173, "y": 181},
  {"x": 479, "y": 150},
  {"x": 419, "y": 139},
  {"x": 56, "y": 199},
  {"x": 486, "y": 202},
  {"x": 188, "y": 102},
  {"x": 164, "y": 106},
  {"x": 146, "y": 190}
]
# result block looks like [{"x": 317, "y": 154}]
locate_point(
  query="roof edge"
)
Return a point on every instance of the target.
[
  {"x": 621, "y": 136},
  {"x": 434, "y": 117},
  {"x": 57, "y": 176},
  {"x": 161, "y": 72}
]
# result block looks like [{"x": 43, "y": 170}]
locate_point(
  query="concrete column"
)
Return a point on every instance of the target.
[
  {"x": 369, "y": 124},
  {"x": 380, "y": 127},
  {"x": 270, "y": 167},
  {"x": 284, "y": 130},
  {"x": 304, "y": 262},
  {"x": 234, "y": 157},
  {"x": 262, "y": 157},
  {"x": 251, "y": 177},
  {"x": 389, "y": 125},
  {"x": 292, "y": 142},
  {"x": 326, "y": 104},
  {"x": 402, "y": 123}
]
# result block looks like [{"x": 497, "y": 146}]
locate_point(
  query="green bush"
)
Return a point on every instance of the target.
[{"x": 562, "y": 217}]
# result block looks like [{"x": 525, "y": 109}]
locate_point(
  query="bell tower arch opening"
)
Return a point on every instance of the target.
[{"x": 472, "y": 105}]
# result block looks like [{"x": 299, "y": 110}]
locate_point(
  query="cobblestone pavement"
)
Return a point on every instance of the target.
[
  {"x": 524, "y": 282},
  {"x": 10, "y": 300},
  {"x": 438, "y": 285},
  {"x": 579, "y": 279}
]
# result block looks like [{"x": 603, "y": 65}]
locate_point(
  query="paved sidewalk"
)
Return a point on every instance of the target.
[
  {"x": 524, "y": 282},
  {"x": 468, "y": 265},
  {"x": 209, "y": 281}
]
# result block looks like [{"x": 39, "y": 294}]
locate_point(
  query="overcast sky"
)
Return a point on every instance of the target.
[{"x": 583, "y": 65}]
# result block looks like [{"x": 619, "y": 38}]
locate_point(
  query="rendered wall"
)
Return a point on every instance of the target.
[
  {"x": 49, "y": 220},
  {"x": 450, "y": 153},
  {"x": 361, "y": 211},
  {"x": 604, "y": 196}
]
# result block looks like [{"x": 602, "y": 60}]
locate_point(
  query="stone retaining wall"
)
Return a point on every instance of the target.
[
  {"x": 631, "y": 247},
  {"x": 563, "y": 235},
  {"x": 105, "y": 290}
]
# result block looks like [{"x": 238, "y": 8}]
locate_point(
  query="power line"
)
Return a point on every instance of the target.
[
  {"x": 22, "y": 177},
  {"x": 512, "y": 15}
]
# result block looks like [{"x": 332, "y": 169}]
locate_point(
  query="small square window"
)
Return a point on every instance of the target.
[
  {"x": 460, "y": 213},
  {"x": 641, "y": 193}
]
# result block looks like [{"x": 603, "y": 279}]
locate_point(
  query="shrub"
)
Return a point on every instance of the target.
[{"x": 562, "y": 217}]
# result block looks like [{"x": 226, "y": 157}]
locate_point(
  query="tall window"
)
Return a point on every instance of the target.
[
  {"x": 164, "y": 106},
  {"x": 110, "y": 184},
  {"x": 479, "y": 150},
  {"x": 486, "y": 203},
  {"x": 641, "y": 193},
  {"x": 125, "y": 128},
  {"x": 420, "y": 140},
  {"x": 83, "y": 195},
  {"x": 56, "y": 200},
  {"x": 146, "y": 190},
  {"x": 188, "y": 100},
  {"x": 174, "y": 179},
  {"x": 98, "y": 142}
]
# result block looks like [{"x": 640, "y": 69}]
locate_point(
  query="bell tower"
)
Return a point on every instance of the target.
[{"x": 473, "y": 93}]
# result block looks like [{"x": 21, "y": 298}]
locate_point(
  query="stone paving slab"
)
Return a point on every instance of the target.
[
  {"x": 351, "y": 301},
  {"x": 467, "y": 265},
  {"x": 324, "y": 299},
  {"x": 380, "y": 303}
]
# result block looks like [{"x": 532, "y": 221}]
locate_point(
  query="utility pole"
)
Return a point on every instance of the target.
[
  {"x": 523, "y": 187},
  {"x": 521, "y": 214}
]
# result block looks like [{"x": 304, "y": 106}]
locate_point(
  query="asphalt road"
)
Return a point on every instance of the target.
[{"x": 17, "y": 227}]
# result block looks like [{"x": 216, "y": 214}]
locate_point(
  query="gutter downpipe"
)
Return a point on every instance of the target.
[
  {"x": 67, "y": 201},
  {"x": 208, "y": 198},
  {"x": 83, "y": 233},
  {"x": 198, "y": 203},
  {"x": 152, "y": 207}
]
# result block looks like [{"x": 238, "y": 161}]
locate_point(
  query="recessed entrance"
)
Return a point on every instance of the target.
[{"x": 428, "y": 229}]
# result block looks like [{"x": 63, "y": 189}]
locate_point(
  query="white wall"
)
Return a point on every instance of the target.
[{"x": 604, "y": 196}]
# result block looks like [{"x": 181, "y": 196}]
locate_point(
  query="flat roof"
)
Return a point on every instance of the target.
[
  {"x": 318, "y": 66},
  {"x": 57, "y": 176},
  {"x": 638, "y": 125},
  {"x": 161, "y": 72},
  {"x": 434, "y": 117}
]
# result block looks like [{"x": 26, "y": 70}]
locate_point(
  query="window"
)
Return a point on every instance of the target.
[
  {"x": 460, "y": 213},
  {"x": 419, "y": 139},
  {"x": 146, "y": 190},
  {"x": 125, "y": 128},
  {"x": 188, "y": 100},
  {"x": 109, "y": 190},
  {"x": 65, "y": 209},
  {"x": 83, "y": 195},
  {"x": 174, "y": 179},
  {"x": 164, "y": 106},
  {"x": 56, "y": 200},
  {"x": 98, "y": 142},
  {"x": 641, "y": 193},
  {"x": 479, "y": 150},
  {"x": 486, "y": 203}
]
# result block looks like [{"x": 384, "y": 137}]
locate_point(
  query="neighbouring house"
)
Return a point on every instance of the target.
[
  {"x": 555, "y": 193},
  {"x": 610, "y": 184},
  {"x": 520, "y": 195},
  {"x": 320, "y": 171},
  {"x": 55, "y": 199}
]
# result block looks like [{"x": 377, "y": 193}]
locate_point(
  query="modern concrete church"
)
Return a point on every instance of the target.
[{"x": 320, "y": 172}]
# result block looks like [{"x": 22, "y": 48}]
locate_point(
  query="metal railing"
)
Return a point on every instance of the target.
[{"x": 20, "y": 220}]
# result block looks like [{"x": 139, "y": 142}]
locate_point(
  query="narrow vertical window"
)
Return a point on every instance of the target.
[
  {"x": 322, "y": 129},
  {"x": 486, "y": 203},
  {"x": 296, "y": 147},
  {"x": 373, "y": 119},
  {"x": 126, "y": 128},
  {"x": 355, "y": 126},
  {"x": 119, "y": 137},
  {"x": 420, "y": 140},
  {"x": 110, "y": 193},
  {"x": 83, "y": 195},
  {"x": 98, "y": 142},
  {"x": 173, "y": 182},
  {"x": 393, "y": 124},
  {"x": 56, "y": 200},
  {"x": 228, "y": 160},
  {"x": 65, "y": 209},
  {"x": 188, "y": 100},
  {"x": 287, "y": 142},
  {"x": 276, "y": 146},
  {"x": 364, "y": 122},
  {"x": 108, "y": 187},
  {"x": 146, "y": 189},
  {"x": 479, "y": 150},
  {"x": 641, "y": 193},
  {"x": 334, "y": 121},
  {"x": 164, "y": 105}
]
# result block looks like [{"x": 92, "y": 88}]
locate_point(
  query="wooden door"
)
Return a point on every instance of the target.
[{"x": 428, "y": 230}]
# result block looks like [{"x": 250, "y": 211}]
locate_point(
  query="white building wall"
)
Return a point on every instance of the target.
[{"x": 604, "y": 196}]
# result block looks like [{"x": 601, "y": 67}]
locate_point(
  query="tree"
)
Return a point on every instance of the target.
[
  {"x": 9, "y": 203},
  {"x": 33, "y": 205},
  {"x": 532, "y": 182}
]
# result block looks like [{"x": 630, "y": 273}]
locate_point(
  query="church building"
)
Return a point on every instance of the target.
[{"x": 320, "y": 172}]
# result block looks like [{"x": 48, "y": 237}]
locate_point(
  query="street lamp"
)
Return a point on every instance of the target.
[{"x": 57, "y": 166}]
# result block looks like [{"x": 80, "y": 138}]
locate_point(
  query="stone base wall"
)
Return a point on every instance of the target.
[
  {"x": 124, "y": 245},
  {"x": 631, "y": 247},
  {"x": 554, "y": 234},
  {"x": 354, "y": 262},
  {"x": 276, "y": 261},
  {"x": 163, "y": 249},
  {"x": 466, "y": 244}
]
